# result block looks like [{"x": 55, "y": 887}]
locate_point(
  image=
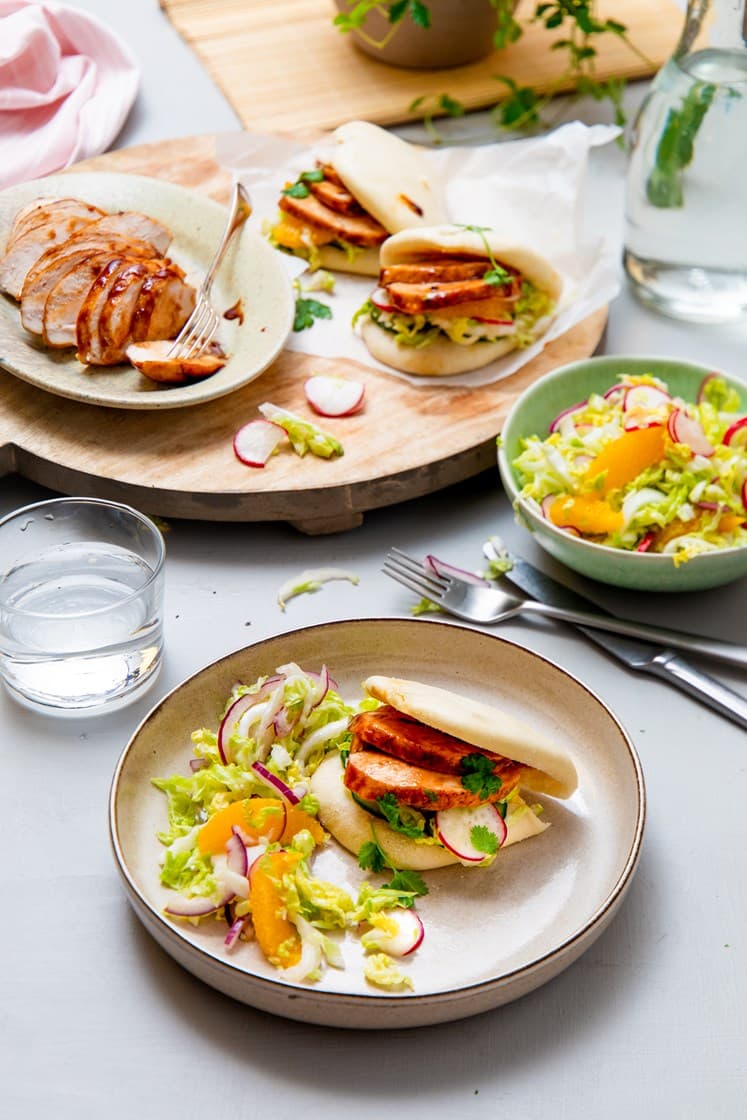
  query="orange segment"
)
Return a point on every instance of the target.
[
  {"x": 292, "y": 234},
  {"x": 296, "y": 820},
  {"x": 276, "y": 935},
  {"x": 591, "y": 516},
  {"x": 626, "y": 457},
  {"x": 729, "y": 523},
  {"x": 259, "y": 818}
]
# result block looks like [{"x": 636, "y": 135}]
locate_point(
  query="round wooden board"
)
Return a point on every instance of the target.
[{"x": 408, "y": 441}]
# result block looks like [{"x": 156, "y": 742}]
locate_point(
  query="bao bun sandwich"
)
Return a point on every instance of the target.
[
  {"x": 455, "y": 298},
  {"x": 368, "y": 185},
  {"x": 434, "y": 778}
]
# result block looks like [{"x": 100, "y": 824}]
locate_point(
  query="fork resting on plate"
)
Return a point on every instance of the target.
[{"x": 472, "y": 598}]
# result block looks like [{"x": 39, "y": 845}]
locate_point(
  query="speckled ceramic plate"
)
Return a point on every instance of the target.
[
  {"x": 491, "y": 934},
  {"x": 251, "y": 272}
]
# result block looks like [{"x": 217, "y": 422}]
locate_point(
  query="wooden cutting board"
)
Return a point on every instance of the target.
[
  {"x": 408, "y": 441},
  {"x": 285, "y": 66}
]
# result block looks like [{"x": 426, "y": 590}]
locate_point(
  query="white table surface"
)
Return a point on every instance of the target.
[{"x": 98, "y": 1021}]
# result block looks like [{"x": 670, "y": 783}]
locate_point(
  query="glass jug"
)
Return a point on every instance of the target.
[{"x": 686, "y": 202}]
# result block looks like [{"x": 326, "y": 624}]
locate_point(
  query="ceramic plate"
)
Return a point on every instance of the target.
[
  {"x": 492, "y": 934},
  {"x": 252, "y": 272}
]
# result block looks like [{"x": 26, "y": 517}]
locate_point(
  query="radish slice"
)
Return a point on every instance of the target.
[
  {"x": 380, "y": 299},
  {"x": 404, "y": 939},
  {"x": 334, "y": 396},
  {"x": 684, "y": 429},
  {"x": 704, "y": 385},
  {"x": 454, "y": 828},
  {"x": 616, "y": 392},
  {"x": 634, "y": 421},
  {"x": 200, "y": 906},
  {"x": 645, "y": 398},
  {"x": 277, "y": 784},
  {"x": 255, "y": 442},
  {"x": 448, "y": 571},
  {"x": 547, "y": 502},
  {"x": 736, "y": 435},
  {"x": 555, "y": 424},
  {"x": 645, "y": 542}
]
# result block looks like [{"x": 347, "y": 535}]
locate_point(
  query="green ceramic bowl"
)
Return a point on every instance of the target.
[{"x": 532, "y": 414}]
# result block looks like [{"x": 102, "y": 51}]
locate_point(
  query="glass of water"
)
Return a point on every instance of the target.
[
  {"x": 81, "y": 603},
  {"x": 686, "y": 229}
]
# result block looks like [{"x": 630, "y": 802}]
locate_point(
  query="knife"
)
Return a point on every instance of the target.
[{"x": 642, "y": 657}]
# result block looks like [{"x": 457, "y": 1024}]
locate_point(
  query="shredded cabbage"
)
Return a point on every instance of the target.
[{"x": 303, "y": 435}]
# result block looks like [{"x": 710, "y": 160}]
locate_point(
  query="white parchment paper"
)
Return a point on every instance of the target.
[{"x": 530, "y": 191}]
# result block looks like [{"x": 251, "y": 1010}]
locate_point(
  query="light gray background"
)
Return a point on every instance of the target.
[{"x": 97, "y": 1021}]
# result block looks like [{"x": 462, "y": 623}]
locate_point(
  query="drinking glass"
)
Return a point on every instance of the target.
[
  {"x": 81, "y": 600},
  {"x": 686, "y": 233}
]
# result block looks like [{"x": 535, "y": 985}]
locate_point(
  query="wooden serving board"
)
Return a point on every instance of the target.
[
  {"x": 285, "y": 66},
  {"x": 408, "y": 440}
]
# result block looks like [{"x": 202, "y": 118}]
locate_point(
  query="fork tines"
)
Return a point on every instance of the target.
[
  {"x": 198, "y": 331},
  {"x": 413, "y": 575}
]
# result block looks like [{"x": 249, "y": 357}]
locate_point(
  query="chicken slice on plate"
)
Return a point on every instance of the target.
[
  {"x": 42, "y": 280},
  {"x": 153, "y": 361},
  {"x": 29, "y": 246},
  {"x": 44, "y": 210},
  {"x": 115, "y": 320}
]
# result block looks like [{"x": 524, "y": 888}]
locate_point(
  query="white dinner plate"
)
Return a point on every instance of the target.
[
  {"x": 252, "y": 273},
  {"x": 491, "y": 934}
]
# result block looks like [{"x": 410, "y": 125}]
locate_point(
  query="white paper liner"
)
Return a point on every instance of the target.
[{"x": 531, "y": 191}]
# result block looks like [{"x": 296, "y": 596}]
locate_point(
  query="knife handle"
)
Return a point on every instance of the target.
[{"x": 711, "y": 692}]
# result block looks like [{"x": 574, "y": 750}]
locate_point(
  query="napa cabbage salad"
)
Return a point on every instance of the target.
[
  {"x": 636, "y": 468},
  {"x": 242, "y": 832}
]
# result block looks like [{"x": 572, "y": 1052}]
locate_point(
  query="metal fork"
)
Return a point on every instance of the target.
[
  {"x": 483, "y": 603},
  {"x": 200, "y": 328}
]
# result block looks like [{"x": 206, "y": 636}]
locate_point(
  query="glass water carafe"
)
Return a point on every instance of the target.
[{"x": 686, "y": 204}]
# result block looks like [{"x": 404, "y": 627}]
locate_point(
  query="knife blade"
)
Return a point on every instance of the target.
[{"x": 643, "y": 657}]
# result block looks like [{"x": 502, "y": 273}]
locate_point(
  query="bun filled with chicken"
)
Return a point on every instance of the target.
[
  {"x": 365, "y": 186},
  {"x": 455, "y": 298},
  {"x": 435, "y": 778}
]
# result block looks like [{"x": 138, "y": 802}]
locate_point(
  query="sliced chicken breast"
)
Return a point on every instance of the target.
[
  {"x": 115, "y": 320},
  {"x": 153, "y": 361},
  {"x": 49, "y": 210},
  {"x": 29, "y": 247},
  {"x": 359, "y": 229},
  {"x": 40, "y": 281},
  {"x": 371, "y": 775}
]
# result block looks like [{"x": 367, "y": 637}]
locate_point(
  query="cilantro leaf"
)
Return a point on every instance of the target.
[
  {"x": 484, "y": 840},
  {"x": 371, "y": 857},
  {"x": 298, "y": 190},
  {"x": 398, "y": 817},
  {"x": 307, "y": 310},
  {"x": 478, "y": 776},
  {"x": 497, "y": 276},
  {"x": 408, "y": 881},
  {"x": 315, "y": 176}
]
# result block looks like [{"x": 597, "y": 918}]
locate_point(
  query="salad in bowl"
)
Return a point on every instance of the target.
[{"x": 642, "y": 466}]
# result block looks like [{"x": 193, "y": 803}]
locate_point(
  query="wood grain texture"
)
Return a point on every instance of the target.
[
  {"x": 285, "y": 66},
  {"x": 408, "y": 441}
]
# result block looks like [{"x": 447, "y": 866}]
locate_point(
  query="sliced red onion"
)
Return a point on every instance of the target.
[
  {"x": 736, "y": 435},
  {"x": 196, "y": 764},
  {"x": 236, "y": 853},
  {"x": 199, "y": 906},
  {"x": 234, "y": 932},
  {"x": 284, "y": 723},
  {"x": 645, "y": 542},
  {"x": 236, "y": 711},
  {"x": 713, "y": 506},
  {"x": 744, "y": 493},
  {"x": 555, "y": 424},
  {"x": 277, "y": 784},
  {"x": 441, "y": 568},
  {"x": 684, "y": 429},
  {"x": 323, "y": 688}
]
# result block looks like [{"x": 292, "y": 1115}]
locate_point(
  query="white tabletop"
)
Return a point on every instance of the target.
[{"x": 98, "y": 1021}]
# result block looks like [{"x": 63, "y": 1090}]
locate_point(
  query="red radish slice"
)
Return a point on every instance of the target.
[
  {"x": 645, "y": 542},
  {"x": 736, "y": 435},
  {"x": 684, "y": 429},
  {"x": 634, "y": 421},
  {"x": 547, "y": 501},
  {"x": 615, "y": 392},
  {"x": 380, "y": 299},
  {"x": 277, "y": 784},
  {"x": 234, "y": 932},
  {"x": 255, "y": 442},
  {"x": 449, "y": 571},
  {"x": 410, "y": 933},
  {"x": 454, "y": 830},
  {"x": 555, "y": 424},
  {"x": 334, "y": 396},
  {"x": 645, "y": 398},
  {"x": 198, "y": 906}
]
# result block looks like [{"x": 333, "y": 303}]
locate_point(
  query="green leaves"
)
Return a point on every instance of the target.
[
  {"x": 395, "y": 12},
  {"x": 371, "y": 857},
  {"x": 478, "y": 776},
  {"x": 675, "y": 148},
  {"x": 399, "y": 817},
  {"x": 498, "y": 276},
  {"x": 299, "y": 189},
  {"x": 307, "y": 310},
  {"x": 484, "y": 840}
]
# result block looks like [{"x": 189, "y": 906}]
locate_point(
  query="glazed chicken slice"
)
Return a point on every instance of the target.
[
  {"x": 31, "y": 245},
  {"x": 414, "y": 299},
  {"x": 163, "y": 305},
  {"x": 41, "y": 281},
  {"x": 333, "y": 193},
  {"x": 358, "y": 229},
  {"x": 433, "y": 271},
  {"x": 371, "y": 775},
  {"x": 153, "y": 360},
  {"x": 45, "y": 210},
  {"x": 115, "y": 320}
]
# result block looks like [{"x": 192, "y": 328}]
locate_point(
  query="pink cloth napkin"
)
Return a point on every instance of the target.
[{"x": 67, "y": 84}]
